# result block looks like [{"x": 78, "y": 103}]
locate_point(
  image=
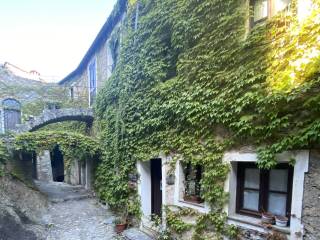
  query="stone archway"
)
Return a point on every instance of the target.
[{"x": 55, "y": 116}]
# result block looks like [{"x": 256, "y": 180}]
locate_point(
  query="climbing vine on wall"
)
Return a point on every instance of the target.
[
  {"x": 74, "y": 146},
  {"x": 3, "y": 156},
  {"x": 193, "y": 81}
]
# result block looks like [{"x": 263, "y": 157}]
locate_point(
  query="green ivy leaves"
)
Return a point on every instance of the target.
[{"x": 193, "y": 81}]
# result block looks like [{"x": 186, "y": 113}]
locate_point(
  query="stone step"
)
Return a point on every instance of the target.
[{"x": 136, "y": 234}]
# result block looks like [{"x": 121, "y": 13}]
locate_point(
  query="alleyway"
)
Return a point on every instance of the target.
[{"x": 74, "y": 215}]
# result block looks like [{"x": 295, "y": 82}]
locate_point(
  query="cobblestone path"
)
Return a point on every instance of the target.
[{"x": 74, "y": 215}]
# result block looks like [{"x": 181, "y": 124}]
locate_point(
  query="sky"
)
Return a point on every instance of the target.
[{"x": 49, "y": 36}]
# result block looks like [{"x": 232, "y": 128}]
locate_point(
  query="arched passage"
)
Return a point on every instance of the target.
[
  {"x": 55, "y": 116},
  {"x": 57, "y": 164}
]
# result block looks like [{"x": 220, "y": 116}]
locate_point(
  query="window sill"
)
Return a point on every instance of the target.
[
  {"x": 202, "y": 208},
  {"x": 192, "y": 203},
  {"x": 255, "y": 223}
]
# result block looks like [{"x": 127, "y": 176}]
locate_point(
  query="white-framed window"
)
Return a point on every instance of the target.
[
  {"x": 192, "y": 183},
  {"x": 264, "y": 9},
  {"x": 92, "y": 75},
  {"x": 187, "y": 187},
  {"x": 276, "y": 191},
  {"x": 260, "y": 190}
]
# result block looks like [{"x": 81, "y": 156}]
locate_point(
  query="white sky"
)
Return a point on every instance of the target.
[{"x": 49, "y": 36}]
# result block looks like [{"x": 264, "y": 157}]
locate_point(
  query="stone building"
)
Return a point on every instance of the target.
[
  {"x": 99, "y": 61},
  {"x": 289, "y": 191}
]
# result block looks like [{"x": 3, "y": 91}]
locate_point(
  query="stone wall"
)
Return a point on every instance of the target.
[
  {"x": 311, "y": 204},
  {"x": 21, "y": 166},
  {"x": 44, "y": 168},
  {"x": 79, "y": 84},
  {"x": 104, "y": 62}
]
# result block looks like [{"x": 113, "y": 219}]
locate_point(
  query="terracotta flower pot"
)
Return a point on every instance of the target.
[{"x": 120, "y": 227}]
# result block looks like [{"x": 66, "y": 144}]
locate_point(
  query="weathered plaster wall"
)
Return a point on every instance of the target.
[
  {"x": 44, "y": 168},
  {"x": 73, "y": 177},
  {"x": 311, "y": 202}
]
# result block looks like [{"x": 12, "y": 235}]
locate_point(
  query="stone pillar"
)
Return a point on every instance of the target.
[
  {"x": 44, "y": 168},
  {"x": 83, "y": 173},
  {"x": 311, "y": 203},
  {"x": 74, "y": 177},
  {"x": 88, "y": 174}
]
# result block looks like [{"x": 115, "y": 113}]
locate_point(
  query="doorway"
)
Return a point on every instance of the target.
[
  {"x": 57, "y": 165},
  {"x": 156, "y": 187}
]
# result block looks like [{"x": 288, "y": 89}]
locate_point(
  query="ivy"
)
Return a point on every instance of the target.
[
  {"x": 3, "y": 156},
  {"x": 74, "y": 146},
  {"x": 193, "y": 82},
  {"x": 175, "y": 222}
]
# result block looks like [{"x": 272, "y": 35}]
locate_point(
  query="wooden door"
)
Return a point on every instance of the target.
[{"x": 156, "y": 187}]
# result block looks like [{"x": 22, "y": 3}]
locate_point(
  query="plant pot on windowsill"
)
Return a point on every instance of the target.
[
  {"x": 281, "y": 221},
  {"x": 193, "y": 199},
  {"x": 267, "y": 218}
]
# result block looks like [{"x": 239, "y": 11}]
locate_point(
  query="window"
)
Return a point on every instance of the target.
[
  {"x": 192, "y": 183},
  {"x": 263, "y": 9},
  {"x": 92, "y": 82},
  {"x": 264, "y": 190},
  {"x": 109, "y": 61},
  {"x": 260, "y": 10},
  {"x": 71, "y": 93}
]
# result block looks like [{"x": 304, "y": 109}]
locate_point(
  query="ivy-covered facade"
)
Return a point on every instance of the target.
[{"x": 210, "y": 119}]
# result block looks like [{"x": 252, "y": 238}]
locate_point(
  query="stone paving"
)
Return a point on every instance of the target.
[
  {"x": 74, "y": 214},
  {"x": 135, "y": 234}
]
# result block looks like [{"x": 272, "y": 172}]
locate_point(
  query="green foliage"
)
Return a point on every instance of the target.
[
  {"x": 68, "y": 126},
  {"x": 74, "y": 146},
  {"x": 192, "y": 82},
  {"x": 175, "y": 222},
  {"x": 3, "y": 156}
]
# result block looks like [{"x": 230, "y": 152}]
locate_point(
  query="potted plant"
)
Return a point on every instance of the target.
[
  {"x": 121, "y": 223},
  {"x": 267, "y": 217},
  {"x": 281, "y": 221}
]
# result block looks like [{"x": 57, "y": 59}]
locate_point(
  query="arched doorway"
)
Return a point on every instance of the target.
[{"x": 57, "y": 165}]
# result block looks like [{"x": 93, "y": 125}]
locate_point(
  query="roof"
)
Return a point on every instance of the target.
[{"x": 100, "y": 39}]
